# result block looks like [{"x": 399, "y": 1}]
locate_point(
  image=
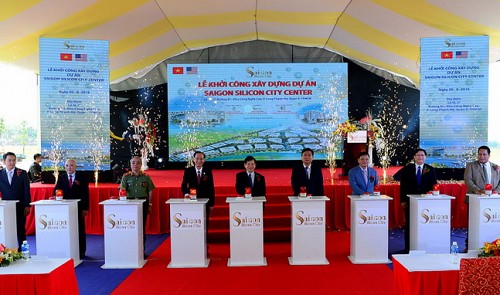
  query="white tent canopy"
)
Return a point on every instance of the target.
[{"x": 143, "y": 33}]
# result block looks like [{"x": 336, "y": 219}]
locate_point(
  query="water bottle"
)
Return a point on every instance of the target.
[
  {"x": 25, "y": 249},
  {"x": 454, "y": 253}
]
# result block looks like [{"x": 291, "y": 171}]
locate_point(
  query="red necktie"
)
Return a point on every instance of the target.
[
  {"x": 199, "y": 177},
  {"x": 70, "y": 181}
]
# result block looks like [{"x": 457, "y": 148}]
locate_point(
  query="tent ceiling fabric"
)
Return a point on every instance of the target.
[{"x": 143, "y": 33}]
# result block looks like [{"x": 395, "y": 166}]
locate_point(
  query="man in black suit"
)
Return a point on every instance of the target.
[
  {"x": 416, "y": 178},
  {"x": 75, "y": 186},
  {"x": 200, "y": 178},
  {"x": 307, "y": 174},
  {"x": 250, "y": 178},
  {"x": 15, "y": 185}
]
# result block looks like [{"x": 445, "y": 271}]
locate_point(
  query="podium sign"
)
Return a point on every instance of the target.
[
  {"x": 123, "y": 226},
  {"x": 8, "y": 225},
  {"x": 246, "y": 225},
  {"x": 369, "y": 229},
  {"x": 484, "y": 220},
  {"x": 308, "y": 230},
  {"x": 188, "y": 233},
  {"x": 430, "y": 223},
  {"x": 56, "y": 226}
]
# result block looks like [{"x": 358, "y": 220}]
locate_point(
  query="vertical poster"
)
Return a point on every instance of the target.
[
  {"x": 74, "y": 102},
  {"x": 453, "y": 98}
]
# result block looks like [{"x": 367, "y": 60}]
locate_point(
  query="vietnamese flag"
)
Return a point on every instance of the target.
[
  {"x": 447, "y": 54},
  {"x": 66, "y": 56},
  {"x": 177, "y": 70}
]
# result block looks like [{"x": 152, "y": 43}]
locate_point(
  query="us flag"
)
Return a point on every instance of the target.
[
  {"x": 461, "y": 54},
  {"x": 191, "y": 70},
  {"x": 80, "y": 57}
]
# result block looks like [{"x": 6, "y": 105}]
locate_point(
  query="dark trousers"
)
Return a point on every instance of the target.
[
  {"x": 82, "y": 237},
  {"x": 145, "y": 208},
  {"x": 21, "y": 225},
  {"x": 407, "y": 228}
]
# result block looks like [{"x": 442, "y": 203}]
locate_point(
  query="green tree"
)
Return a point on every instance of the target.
[{"x": 2, "y": 127}]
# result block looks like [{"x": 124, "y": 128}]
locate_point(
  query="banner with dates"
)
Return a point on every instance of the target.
[
  {"x": 272, "y": 111},
  {"x": 453, "y": 97},
  {"x": 74, "y": 102}
]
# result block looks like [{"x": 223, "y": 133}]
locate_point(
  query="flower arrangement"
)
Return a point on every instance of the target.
[
  {"x": 8, "y": 255},
  {"x": 346, "y": 127},
  {"x": 490, "y": 249}
]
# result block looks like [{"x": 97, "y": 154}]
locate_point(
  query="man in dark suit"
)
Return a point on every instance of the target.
[
  {"x": 15, "y": 185},
  {"x": 75, "y": 186},
  {"x": 362, "y": 178},
  {"x": 307, "y": 174},
  {"x": 250, "y": 178},
  {"x": 416, "y": 178},
  {"x": 200, "y": 178}
]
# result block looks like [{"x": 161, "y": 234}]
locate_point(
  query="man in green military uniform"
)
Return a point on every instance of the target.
[{"x": 139, "y": 186}]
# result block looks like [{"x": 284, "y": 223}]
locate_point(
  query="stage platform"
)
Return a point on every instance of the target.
[{"x": 277, "y": 213}]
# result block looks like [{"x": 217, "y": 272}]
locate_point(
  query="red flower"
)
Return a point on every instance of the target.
[
  {"x": 258, "y": 177},
  {"x": 19, "y": 171},
  {"x": 435, "y": 187},
  {"x": 496, "y": 253},
  {"x": 144, "y": 184},
  {"x": 76, "y": 182},
  {"x": 488, "y": 187}
]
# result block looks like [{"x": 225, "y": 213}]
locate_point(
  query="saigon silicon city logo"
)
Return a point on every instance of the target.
[
  {"x": 186, "y": 222},
  {"x": 120, "y": 223},
  {"x": 431, "y": 217},
  {"x": 245, "y": 221},
  {"x": 491, "y": 216},
  {"x": 49, "y": 223},
  {"x": 302, "y": 219},
  {"x": 370, "y": 218}
]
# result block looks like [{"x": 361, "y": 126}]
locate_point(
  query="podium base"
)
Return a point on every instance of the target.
[
  {"x": 123, "y": 266},
  {"x": 192, "y": 265},
  {"x": 248, "y": 263},
  {"x": 370, "y": 261},
  {"x": 324, "y": 261}
]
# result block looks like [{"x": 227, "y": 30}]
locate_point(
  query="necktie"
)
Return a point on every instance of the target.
[
  {"x": 307, "y": 173},
  {"x": 419, "y": 175},
  {"x": 70, "y": 180},
  {"x": 199, "y": 177},
  {"x": 10, "y": 174},
  {"x": 365, "y": 175},
  {"x": 486, "y": 180},
  {"x": 250, "y": 183}
]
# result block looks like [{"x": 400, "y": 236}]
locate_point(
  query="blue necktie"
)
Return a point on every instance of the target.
[
  {"x": 307, "y": 172},
  {"x": 250, "y": 183},
  {"x": 419, "y": 175}
]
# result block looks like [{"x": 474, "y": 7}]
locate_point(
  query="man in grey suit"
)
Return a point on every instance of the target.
[
  {"x": 362, "y": 178},
  {"x": 479, "y": 173}
]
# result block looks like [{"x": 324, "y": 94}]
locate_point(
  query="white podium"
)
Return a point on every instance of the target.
[
  {"x": 430, "y": 223},
  {"x": 187, "y": 233},
  {"x": 8, "y": 224},
  {"x": 369, "y": 229},
  {"x": 484, "y": 219},
  {"x": 246, "y": 225},
  {"x": 123, "y": 226},
  {"x": 56, "y": 226},
  {"x": 308, "y": 230}
]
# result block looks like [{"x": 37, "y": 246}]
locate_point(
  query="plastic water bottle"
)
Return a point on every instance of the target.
[
  {"x": 454, "y": 253},
  {"x": 25, "y": 249}
]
